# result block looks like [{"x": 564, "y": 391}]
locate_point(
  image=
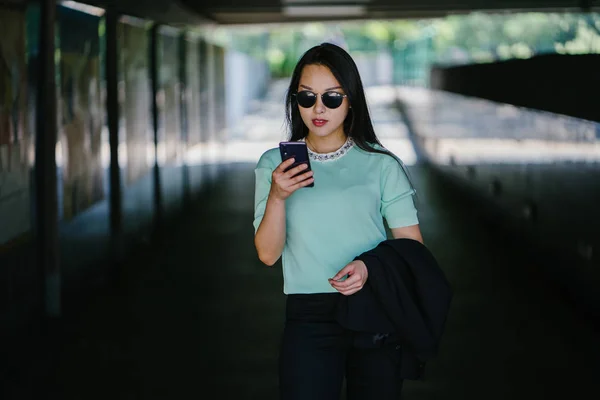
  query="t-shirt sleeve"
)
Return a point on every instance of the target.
[
  {"x": 263, "y": 174},
  {"x": 397, "y": 206}
]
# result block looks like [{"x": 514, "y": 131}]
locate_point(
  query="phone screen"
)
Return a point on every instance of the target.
[{"x": 299, "y": 152}]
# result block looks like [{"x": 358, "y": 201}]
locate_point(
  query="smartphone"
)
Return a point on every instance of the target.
[{"x": 299, "y": 152}]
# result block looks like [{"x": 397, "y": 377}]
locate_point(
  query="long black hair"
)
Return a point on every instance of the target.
[{"x": 357, "y": 124}]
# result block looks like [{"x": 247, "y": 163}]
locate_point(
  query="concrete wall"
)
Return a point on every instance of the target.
[
  {"x": 155, "y": 180},
  {"x": 562, "y": 84},
  {"x": 533, "y": 174},
  {"x": 247, "y": 79}
]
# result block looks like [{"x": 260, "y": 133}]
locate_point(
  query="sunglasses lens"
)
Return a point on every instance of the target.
[
  {"x": 306, "y": 99},
  {"x": 332, "y": 100}
]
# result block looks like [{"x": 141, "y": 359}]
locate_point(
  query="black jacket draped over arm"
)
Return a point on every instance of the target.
[{"x": 406, "y": 300}]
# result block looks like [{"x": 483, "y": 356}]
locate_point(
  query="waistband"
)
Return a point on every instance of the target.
[{"x": 313, "y": 307}]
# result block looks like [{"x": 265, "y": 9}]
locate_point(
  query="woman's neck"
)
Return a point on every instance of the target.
[{"x": 325, "y": 144}]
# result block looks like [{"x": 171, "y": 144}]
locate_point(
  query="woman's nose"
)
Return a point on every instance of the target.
[{"x": 319, "y": 106}]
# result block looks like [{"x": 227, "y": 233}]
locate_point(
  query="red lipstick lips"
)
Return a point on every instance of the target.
[{"x": 319, "y": 122}]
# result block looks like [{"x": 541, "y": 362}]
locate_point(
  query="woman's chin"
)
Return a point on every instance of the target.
[{"x": 321, "y": 131}]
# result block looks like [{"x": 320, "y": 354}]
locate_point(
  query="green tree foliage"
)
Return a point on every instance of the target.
[{"x": 456, "y": 39}]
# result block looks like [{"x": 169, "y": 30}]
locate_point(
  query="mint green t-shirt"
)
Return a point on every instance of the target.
[{"x": 339, "y": 218}]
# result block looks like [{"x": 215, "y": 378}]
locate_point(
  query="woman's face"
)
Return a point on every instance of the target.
[{"x": 320, "y": 120}]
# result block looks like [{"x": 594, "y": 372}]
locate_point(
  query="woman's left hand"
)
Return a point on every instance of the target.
[{"x": 357, "y": 276}]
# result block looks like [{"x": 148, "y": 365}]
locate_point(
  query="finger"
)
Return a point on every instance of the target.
[
  {"x": 296, "y": 170},
  {"x": 348, "y": 283},
  {"x": 350, "y": 292},
  {"x": 356, "y": 287},
  {"x": 285, "y": 164},
  {"x": 302, "y": 177},
  {"x": 298, "y": 185},
  {"x": 344, "y": 271},
  {"x": 286, "y": 180}
]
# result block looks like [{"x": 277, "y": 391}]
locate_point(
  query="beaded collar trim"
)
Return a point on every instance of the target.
[{"x": 333, "y": 155}]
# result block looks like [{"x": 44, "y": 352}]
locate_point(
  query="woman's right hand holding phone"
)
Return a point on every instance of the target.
[
  {"x": 283, "y": 183},
  {"x": 270, "y": 236}
]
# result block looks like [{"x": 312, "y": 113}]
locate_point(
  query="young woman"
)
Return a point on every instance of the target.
[{"x": 318, "y": 231}]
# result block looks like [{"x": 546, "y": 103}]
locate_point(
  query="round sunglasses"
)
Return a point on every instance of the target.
[{"x": 307, "y": 99}]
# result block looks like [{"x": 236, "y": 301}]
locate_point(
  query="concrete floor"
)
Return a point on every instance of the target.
[
  {"x": 204, "y": 316},
  {"x": 198, "y": 314}
]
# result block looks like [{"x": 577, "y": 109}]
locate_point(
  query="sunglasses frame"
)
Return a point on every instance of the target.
[{"x": 321, "y": 95}]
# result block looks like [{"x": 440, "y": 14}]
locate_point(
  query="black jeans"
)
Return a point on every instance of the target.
[{"x": 317, "y": 353}]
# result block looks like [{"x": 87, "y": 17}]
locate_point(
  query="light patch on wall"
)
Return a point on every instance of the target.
[
  {"x": 83, "y": 8},
  {"x": 324, "y": 11}
]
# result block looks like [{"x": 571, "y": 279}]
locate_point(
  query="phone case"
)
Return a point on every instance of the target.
[{"x": 299, "y": 152}]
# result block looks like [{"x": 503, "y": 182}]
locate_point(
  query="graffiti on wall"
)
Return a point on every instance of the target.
[
  {"x": 219, "y": 92},
  {"x": 15, "y": 134},
  {"x": 193, "y": 89},
  {"x": 135, "y": 96},
  {"x": 205, "y": 91},
  {"x": 169, "y": 97},
  {"x": 80, "y": 112}
]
